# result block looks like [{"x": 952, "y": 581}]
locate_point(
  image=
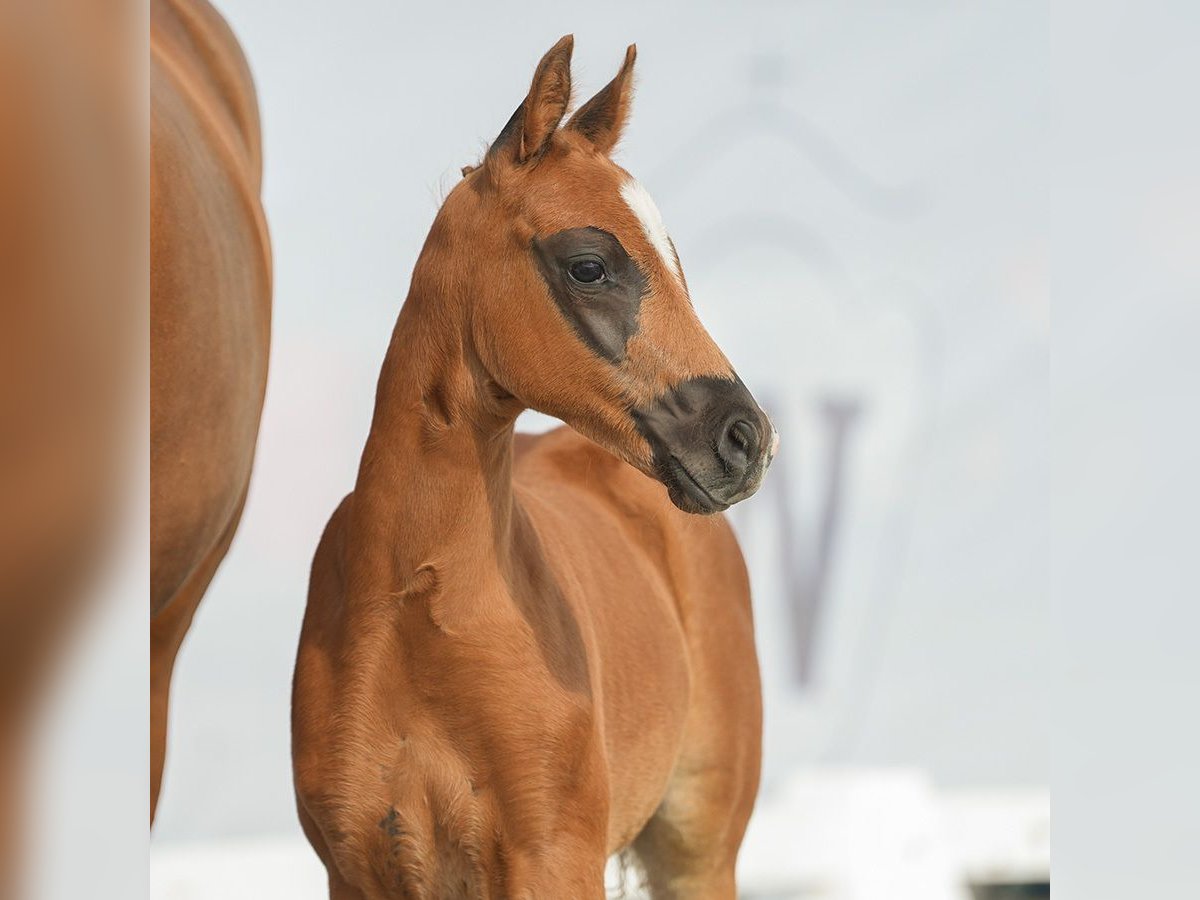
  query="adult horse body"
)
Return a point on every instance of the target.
[
  {"x": 210, "y": 290},
  {"x": 519, "y": 657}
]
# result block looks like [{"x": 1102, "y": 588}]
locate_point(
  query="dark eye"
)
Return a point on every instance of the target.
[{"x": 587, "y": 271}]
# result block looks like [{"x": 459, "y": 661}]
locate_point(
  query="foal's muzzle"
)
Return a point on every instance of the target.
[{"x": 711, "y": 442}]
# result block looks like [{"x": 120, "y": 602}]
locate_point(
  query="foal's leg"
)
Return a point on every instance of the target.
[
  {"x": 339, "y": 888},
  {"x": 689, "y": 847},
  {"x": 570, "y": 870}
]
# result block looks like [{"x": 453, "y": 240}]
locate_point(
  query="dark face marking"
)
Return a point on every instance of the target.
[
  {"x": 709, "y": 441},
  {"x": 596, "y": 285}
]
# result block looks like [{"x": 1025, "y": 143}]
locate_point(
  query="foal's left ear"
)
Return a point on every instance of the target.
[
  {"x": 532, "y": 125},
  {"x": 602, "y": 118}
]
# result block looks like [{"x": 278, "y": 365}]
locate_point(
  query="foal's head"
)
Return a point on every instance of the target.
[{"x": 576, "y": 301}]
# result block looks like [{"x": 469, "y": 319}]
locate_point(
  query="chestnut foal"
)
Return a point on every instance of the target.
[{"x": 518, "y": 657}]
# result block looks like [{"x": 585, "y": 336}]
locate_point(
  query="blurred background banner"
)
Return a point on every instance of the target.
[{"x": 859, "y": 196}]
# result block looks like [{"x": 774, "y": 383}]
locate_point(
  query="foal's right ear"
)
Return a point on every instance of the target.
[{"x": 531, "y": 126}]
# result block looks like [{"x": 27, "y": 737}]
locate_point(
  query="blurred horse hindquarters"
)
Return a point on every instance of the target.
[{"x": 210, "y": 313}]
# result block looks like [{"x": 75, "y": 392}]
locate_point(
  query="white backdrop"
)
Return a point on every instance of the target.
[{"x": 857, "y": 193}]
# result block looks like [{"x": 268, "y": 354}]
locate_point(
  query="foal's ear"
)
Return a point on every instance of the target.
[
  {"x": 602, "y": 118},
  {"x": 531, "y": 126}
]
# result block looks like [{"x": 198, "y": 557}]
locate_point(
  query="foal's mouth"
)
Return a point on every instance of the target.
[{"x": 686, "y": 492}]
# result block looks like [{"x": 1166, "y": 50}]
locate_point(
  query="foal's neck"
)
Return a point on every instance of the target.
[{"x": 434, "y": 487}]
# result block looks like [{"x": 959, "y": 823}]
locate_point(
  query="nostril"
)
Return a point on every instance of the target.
[
  {"x": 742, "y": 435},
  {"x": 738, "y": 446}
]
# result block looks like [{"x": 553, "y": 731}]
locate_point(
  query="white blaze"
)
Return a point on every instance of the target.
[{"x": 642, "y": 204}]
